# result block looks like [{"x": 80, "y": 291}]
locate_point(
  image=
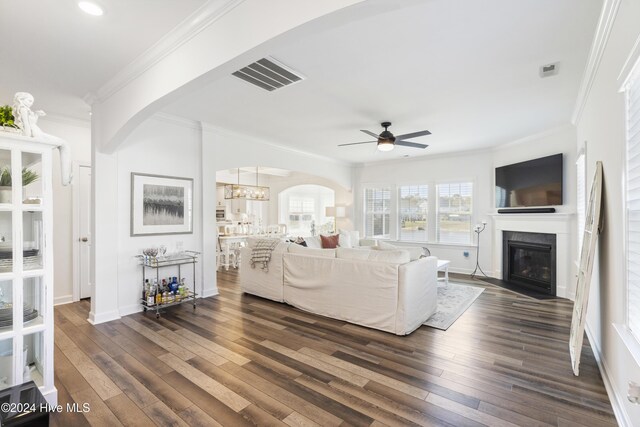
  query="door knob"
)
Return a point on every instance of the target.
[{"x": 84, "y": 239}]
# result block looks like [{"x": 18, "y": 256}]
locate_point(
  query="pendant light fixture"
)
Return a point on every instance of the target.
[{"x": 248, "y": 192}]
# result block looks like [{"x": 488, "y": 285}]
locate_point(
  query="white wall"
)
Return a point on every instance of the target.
[
  {"x": 78, "y": 135},
  {"x": 602, "y": 126},
  {"x": 157, "y": 147},
  {"x": 477, "y": 167}
]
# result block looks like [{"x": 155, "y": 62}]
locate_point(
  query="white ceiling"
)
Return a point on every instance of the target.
[
  {"x": 466, "y": 70},
  {"x": 58, "y": 53}
]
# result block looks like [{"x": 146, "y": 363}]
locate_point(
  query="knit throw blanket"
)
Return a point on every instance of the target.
[{"x": 261, "y": 253}]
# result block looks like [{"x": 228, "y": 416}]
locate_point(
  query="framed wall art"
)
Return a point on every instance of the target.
[{"x": 161, "y": 205}]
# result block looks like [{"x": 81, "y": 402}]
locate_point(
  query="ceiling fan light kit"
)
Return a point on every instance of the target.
[{"x": 385, "y": 145}]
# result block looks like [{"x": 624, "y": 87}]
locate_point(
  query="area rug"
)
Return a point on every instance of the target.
[{"x": 453, "y": 300}]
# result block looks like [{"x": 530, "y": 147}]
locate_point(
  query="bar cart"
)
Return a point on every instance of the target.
[{"x": 173, "y": 260}]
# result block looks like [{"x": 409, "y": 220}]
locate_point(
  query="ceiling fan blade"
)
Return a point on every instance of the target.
[
  {"x": 375, "y": 135},
  {"x": 411, "y": 144},
  {"x": 413, "y": 134},
  {"x": 356, "y": 143}
]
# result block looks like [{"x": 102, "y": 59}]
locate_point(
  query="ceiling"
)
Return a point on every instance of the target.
[
  {"x": 463, "y": 69},
  {"x": 60, "y": 54}
]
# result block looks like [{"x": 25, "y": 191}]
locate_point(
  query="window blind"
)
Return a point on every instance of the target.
[
  {"x": 633, "y": 205},
  {"x": 377, "y": 203},
  {"x": 413, "y": 213}
]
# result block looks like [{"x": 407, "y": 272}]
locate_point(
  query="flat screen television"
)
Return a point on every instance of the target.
[{"x": 532, "y": 183}]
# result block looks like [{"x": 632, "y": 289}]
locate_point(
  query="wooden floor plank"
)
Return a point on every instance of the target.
[
  {"x": 239, "y": 360},
  {"x": 128, "y": 412}
]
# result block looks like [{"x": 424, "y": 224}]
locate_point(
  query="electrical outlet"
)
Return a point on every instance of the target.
[
  {"x": 634, "y": 393},
  {"x": 466, "y": 254}
]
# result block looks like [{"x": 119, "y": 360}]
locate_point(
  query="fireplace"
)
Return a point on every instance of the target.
[{"x": 529, "y": 260}]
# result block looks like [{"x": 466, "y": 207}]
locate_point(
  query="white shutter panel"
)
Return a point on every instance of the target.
[
  {"x": 581, "y": 164},
  {"x": 633, "y": 206},
  {"x": 377, "y": 202}
]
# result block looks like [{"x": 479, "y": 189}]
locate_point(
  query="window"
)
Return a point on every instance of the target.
[
  {"x": 377, "y": 202},
  {"x": 454, "y": 206},
  {"x": 413, "y": 204},
  {"x": 633, "y": 204}
]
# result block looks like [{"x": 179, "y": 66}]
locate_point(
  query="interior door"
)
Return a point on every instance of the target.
[{"x": 84, "y": 181}]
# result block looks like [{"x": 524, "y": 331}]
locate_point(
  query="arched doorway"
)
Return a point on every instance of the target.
[{"x": 303, "y": 209}]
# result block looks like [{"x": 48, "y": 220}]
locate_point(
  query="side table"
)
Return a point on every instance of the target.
[{"x": 443, "y": 265}]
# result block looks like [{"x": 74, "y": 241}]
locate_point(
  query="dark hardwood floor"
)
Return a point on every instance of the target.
[{"x": 241, "y": 360}]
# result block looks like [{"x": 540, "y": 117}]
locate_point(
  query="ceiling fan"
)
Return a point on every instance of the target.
[{"x": 387, "y": 141}]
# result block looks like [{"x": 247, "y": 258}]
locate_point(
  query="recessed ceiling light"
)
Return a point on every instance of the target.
[{"x": 91, "y": 8}]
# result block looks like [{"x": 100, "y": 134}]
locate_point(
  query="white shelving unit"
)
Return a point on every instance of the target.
[{"x": 26, "y": 266}]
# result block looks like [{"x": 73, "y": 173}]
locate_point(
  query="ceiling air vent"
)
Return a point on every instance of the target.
[
  {"x": 549, "y": 70},
  {"x": 268, "y": 74}
]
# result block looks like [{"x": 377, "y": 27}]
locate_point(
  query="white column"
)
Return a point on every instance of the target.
[{"x": 104, "y": 225}]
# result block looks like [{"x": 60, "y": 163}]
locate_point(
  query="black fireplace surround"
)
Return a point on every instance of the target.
[{"x": 529, "y": 260}]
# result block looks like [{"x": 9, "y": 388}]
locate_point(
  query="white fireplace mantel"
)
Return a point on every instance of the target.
[{"x": 560, "y": 224}]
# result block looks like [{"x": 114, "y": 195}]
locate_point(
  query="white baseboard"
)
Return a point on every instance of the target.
[
  {"x": 65, "y": 299},
  {"x": 617, "y": 402},
  {"x": 96, "y": 319},
  {"x": 210, "y": 292},
  {"x": 130, "y": 309}
]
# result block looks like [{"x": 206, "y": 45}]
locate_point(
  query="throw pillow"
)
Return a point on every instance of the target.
[
  {"x": 313, "y": 242},
  {"x": 329, "y": 242},
  {"x": 369, "y": 243},
  {"x": 344, "y": 240},
  {"x": 354, "y": 237}
]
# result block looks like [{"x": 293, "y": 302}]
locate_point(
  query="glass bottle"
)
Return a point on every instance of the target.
[{"x": 151, "y": 295}]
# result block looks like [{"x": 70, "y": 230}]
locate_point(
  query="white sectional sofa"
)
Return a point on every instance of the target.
[{"x": 383, "y": 289}]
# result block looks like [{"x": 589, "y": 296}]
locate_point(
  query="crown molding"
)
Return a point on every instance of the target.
[
  {"x": 626, "y": 73},
  {"x": 206, "y": 127},
  {"x": 471, "y": 152},
  {"x": 534, "y": 137},
  {"x": 600, "y": 39},
  {"x": 203, "y": 17}
]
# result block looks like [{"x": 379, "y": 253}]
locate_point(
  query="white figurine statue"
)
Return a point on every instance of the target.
[{"x": 27, "y": 121}]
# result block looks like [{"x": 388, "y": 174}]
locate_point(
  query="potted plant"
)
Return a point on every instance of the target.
[
  {"x": 7, "y": 121},
  {"x": 28, "y": 176}
]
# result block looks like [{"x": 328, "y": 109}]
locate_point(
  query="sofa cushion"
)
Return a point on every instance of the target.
[
  {"x": 384, "y": 246},
  {"x": 415, "y": 252},
  {"x": 313, "y": 242},
  {"x": 370, "y": 243},
  {"x": 327, "y": 253},
  {"x": 352, "y": 253},
  {"x": 329, "y": 242},
  {"x": 392, "y": 257}
]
